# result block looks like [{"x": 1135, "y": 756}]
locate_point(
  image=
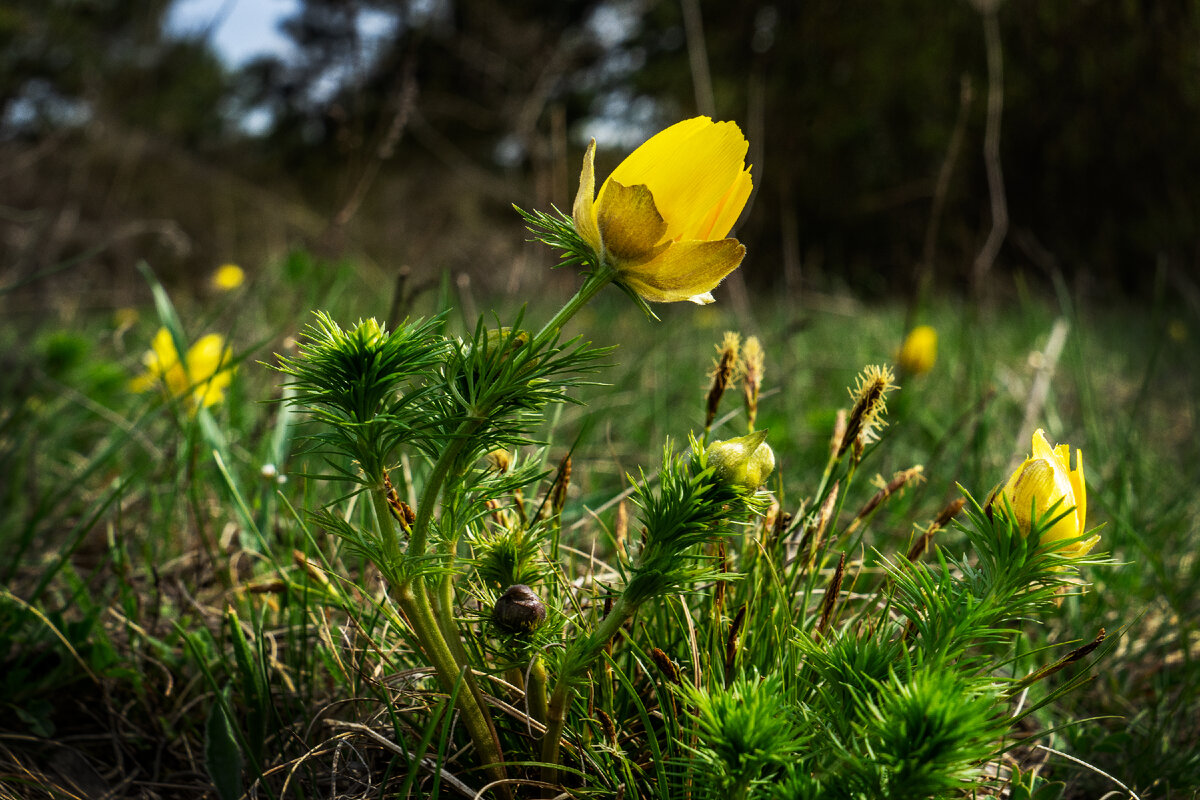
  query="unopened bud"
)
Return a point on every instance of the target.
[
  {"x": 519, "y": 610},
  {"x": 746, "y": 461}
]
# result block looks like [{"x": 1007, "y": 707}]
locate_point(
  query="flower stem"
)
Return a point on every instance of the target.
[
  {"x": 433, "y": 487},
  {"x": 595, "y": 281},
  {"x": 535, "y": 689},
  {"x": 575, "y": 662},
  {"x": 414, "y": 600}
]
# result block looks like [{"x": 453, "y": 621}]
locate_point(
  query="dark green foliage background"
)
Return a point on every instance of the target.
[{"x": 120, "y": 138}]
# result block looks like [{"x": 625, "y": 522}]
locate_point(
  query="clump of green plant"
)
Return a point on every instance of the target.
[{"x": 736, "y": 648}]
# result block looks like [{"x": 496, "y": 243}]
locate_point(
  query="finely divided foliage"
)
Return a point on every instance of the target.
[
  {"x": 434, "y": 612},
  {"x": 894, "y": 684}
]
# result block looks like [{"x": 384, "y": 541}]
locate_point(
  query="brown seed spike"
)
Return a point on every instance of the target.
[
  {"x": 898, "y": 482},
  {"x": 831, "y": 595},
  {"x": 558, "y": 497},
  {"x": 723, "y": 375},
  {"x": 731, "y": 643},
  {"x": 665, "y": 665},
  {"x": 943, "y": 519},
  {"x": 870, "y": 404},
  {"x": 753, "y": 360},
  {"x": 606, "y": 724},
  {"x": 621, "y": 530},
  {"x": 401, "y": 511}
]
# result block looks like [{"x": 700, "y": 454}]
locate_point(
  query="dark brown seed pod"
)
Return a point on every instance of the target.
[{"x": 519, "y": 610}]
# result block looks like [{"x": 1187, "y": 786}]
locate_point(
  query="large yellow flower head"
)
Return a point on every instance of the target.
[
  {"x": 201, "y": 378},
  {"x": 1044, "y": 482},
  {"x": 661, "y": 218}
]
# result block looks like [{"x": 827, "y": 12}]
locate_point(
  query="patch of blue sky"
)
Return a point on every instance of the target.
[
  {"x": 240, "y": 30},
  {"x": 243, "y": 30}
]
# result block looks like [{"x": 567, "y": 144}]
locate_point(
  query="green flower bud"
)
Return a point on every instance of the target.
[{"x": 746, "y": 461}]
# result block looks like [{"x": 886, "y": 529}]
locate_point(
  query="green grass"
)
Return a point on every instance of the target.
[{"x": 173, "y": 619}]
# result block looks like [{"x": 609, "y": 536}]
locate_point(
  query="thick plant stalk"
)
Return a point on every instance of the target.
[
  {"x": 574, "y": 663},
  {"x": 414, "y": 600},
  {"x": 535, "y": 689}
]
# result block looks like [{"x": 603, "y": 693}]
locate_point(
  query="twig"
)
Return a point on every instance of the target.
[
  {"x": 427, "y": 763},
  {"x": 1092, "y": 767},
  {"x": 693, "y": 25},
  {"x": 1041, "y": 383},
  {"x": 991, "y": 142},
  {"x": 925, "y": 267}
]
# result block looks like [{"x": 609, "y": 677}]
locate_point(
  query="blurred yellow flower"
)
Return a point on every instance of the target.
[
  {"x": 125, "y": 318},
  {"x": 202, "y": 377},
  {"x": 918, "y": 354},
  {"x": 228, "y": 277},
  {"x": 1045, "y": 485},
  {"x": 1177, "y": 330},
  {"x": 661, "y": 218}
]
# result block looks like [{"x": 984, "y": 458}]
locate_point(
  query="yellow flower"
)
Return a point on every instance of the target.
[
  {"x": 1045, "y": 486},
  {"x": 202, "y": 378},
  {"x": 125, "y": 318},
  {"x": 228, "y": 277},
  {"x": 919, "y": 351},
  {"x": 661, "y": 218}
]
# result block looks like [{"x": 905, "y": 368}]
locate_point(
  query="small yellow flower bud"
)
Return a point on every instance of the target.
[
  {"x": 499, "y": 460},
  {"x": 746, "y": 461},
  {"x": 918, "y": 354},
  {"x": 1045, "y": 486}
]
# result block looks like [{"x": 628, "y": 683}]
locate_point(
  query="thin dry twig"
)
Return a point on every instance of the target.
[{"x": 383, "y": 741}]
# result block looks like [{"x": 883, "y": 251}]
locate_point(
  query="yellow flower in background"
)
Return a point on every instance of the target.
[
  {"x": 918, "y": 354},
  {"x": 202, "y": 378},
  {"x": 228, "y": 277},
  {"x": 661, "y": 218},
  {"x": 125, "y": 318},
  {"x": 1044, "y": 480}
]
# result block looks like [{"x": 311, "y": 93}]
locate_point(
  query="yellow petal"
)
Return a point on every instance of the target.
[
  {"x": 1080, "y": 491},
  {"x": 205, "y": 356},
  {"x": 696, "y": 171},
  {"x": 208, "y": 370},
  {"x": 1041, "y": 447},
  {"x": 143, "y": 383},
  {"x": 727, "y": 211},
  {"x": 684, "y": 270},
  {"x": 162, "y": 356},
  {"x": 212, "y": 390},
  {"x": 1031, "y": 491},
  {"x": 584, "y": 210},
  {"x": 630, "y": 225}
]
